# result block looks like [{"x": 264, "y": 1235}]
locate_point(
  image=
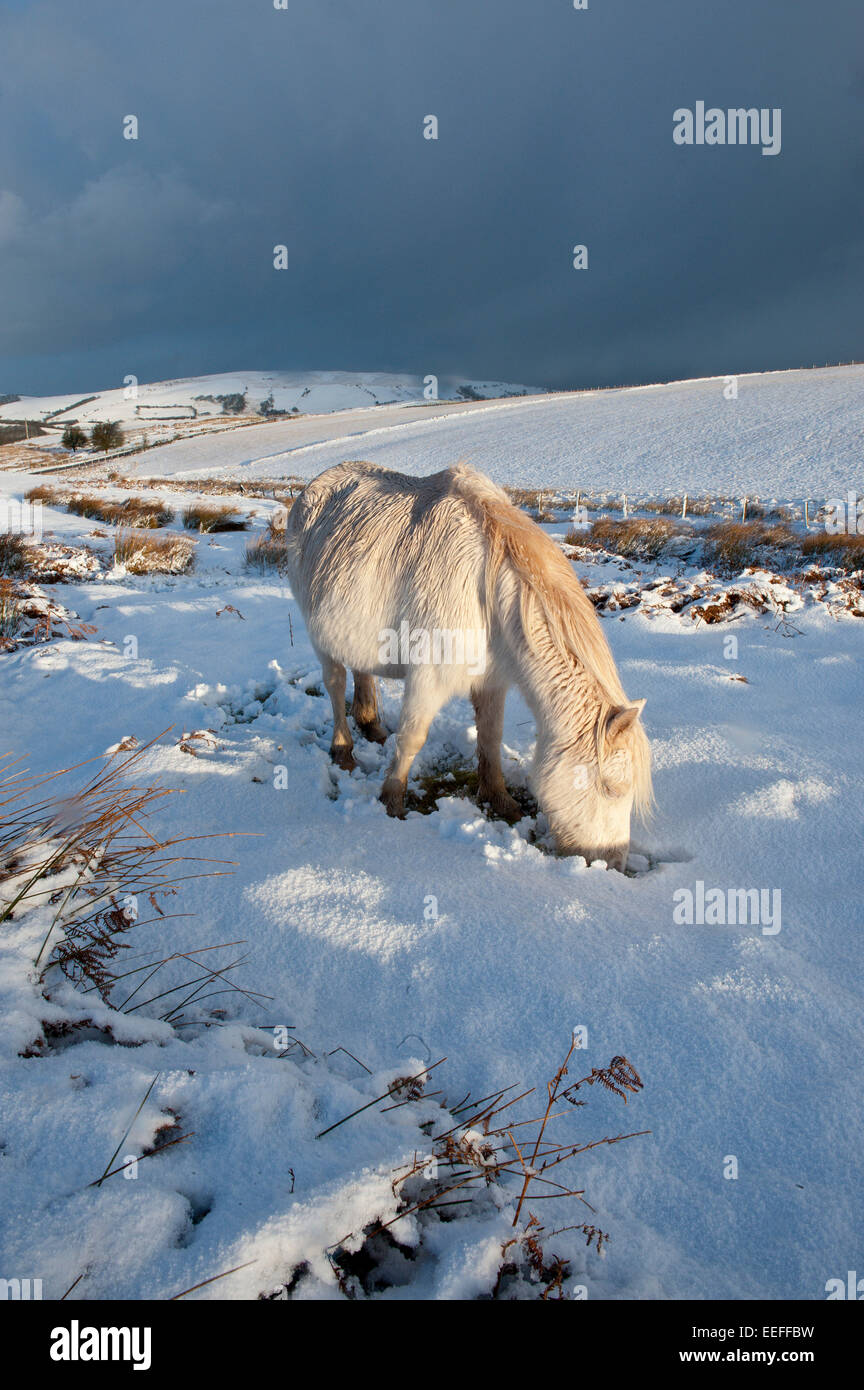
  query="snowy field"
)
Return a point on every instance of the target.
[
  {"x": 746, "y": 1037},
  {"x": 786, "y": 434}
]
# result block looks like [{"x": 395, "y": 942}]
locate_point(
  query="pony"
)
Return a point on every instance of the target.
[{"x": 443, "y": 583}]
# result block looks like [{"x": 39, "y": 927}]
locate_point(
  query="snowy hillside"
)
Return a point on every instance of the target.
[
  {"x": 198, "y": 397},
  {"x": 787, "y": 434}
]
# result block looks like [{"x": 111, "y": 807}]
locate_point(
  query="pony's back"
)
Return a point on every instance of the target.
[{"x": 386, "y": 548}]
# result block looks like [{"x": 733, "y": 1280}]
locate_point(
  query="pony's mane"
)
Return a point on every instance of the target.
[{"x": 549, "y": 582}]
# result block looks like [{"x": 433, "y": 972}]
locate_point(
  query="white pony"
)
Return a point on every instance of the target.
[{"x": 443, "y": 583}]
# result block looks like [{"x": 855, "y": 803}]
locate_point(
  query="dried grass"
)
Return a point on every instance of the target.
[
  {"x": 14, "y": 555},
  {"x": 844, "y": 551},
  {"x": 282, "y": 490},
  {"x": 44, "y": 492},
  {"x": 207, "y": 516},
  {"x": 136, "y": 512},
  {"x": 11, "y": 614},
  {"x": 730, "y": 546},
  {"x": 144, "y": 553},
  {"x": 268, "y": 551},
  {"x": 84, "y": 858},
  {"x": 673, "y": 506},
  {"x": 638, "y": 538}
]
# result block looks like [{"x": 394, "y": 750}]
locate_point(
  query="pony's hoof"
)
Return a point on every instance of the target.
[
  {"x": 501, "y": 804},
  {"x": 393, "y": 798},
  {"x": 344, "y": 758},
  {"x": 374, "y": 732}
]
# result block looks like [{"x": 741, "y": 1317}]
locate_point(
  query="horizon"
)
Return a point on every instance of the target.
[{"x": 534, "y": 388}]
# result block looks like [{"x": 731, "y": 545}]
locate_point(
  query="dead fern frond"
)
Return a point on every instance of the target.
[
  {"x": 407, "y": 1087},
  {"x": 620, "y": 1076}
]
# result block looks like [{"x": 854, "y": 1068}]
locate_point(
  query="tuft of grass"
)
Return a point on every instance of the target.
[
  {"x": 730, "y": 546},
  {"x": 138, "y": 511},
  {"x": 779, "y": 513},
  {"x": 142, "y": 553},
  {"x": 208, "y": 516},
  {"x": 87, "y": 504},
  {"x": 14, "y": 555},
  {"x": 267, "y": 552},
  {"x": 638, "y": 538},
  {"x": 457, "y": 778},
  {"x": 11, "y": 613},
  {"x": 132, "y": 511},
  {"x": 44, "y": 492},
  {"x": 844, "y": 551},
  {"x": 82, "y": 860}
]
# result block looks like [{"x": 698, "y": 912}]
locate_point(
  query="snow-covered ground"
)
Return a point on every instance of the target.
[
  {"x": 746, "y": 1039},
  {"x": 786, "y": 434}
]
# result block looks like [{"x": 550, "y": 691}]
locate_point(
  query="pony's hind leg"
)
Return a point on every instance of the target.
[
  {"x": 364, "y": 709},
  {"x": 421, "y": 702},
  {"x": 342, "y": 745},
  {"x": 488, "y": 702}
]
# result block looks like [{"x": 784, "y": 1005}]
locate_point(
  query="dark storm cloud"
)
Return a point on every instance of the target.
[{"x": 304, "y": 127}]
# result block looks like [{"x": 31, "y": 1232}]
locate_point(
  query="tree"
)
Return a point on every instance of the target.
[
  {"x": 106, "y": 435},
  {"x": 74, "y": 438}
]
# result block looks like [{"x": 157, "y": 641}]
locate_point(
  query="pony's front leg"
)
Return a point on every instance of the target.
[
  {"x": 488, "y": 702},
  {"x": 421, "y": 702},
  {"x": 341, "y": 748}
]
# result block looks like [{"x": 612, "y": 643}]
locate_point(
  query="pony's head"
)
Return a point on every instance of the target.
[{"x": 589, "y": 798}]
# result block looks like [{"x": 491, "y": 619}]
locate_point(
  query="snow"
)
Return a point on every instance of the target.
[
  {"x": 746, "y": 1041},
  {"x": 787, "y": 434},
  {"x": 309, "y": 392}
]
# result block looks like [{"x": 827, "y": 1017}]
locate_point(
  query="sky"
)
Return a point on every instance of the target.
[{"x": 303, "y": 127}]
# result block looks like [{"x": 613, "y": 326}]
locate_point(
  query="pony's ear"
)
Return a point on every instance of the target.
[{"x": 622, "y": 719}]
